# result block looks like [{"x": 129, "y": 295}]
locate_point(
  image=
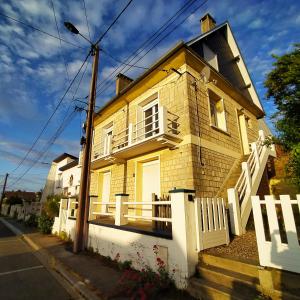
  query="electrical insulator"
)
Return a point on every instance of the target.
[{"x": 82, "y": 140}]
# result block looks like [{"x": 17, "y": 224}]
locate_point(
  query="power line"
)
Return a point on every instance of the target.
[
  {"x": 86, "y": 19},
  {"x": 113, "y": 23},
  {"x": 67, "y": 119},
  {"x": 167, "y": 34},
  {"x": 124, "y": 63},
  {"x": 62, "y": 56},
  {"x": 40, "y": 30},
  {"x": 149, "y": 40},
  {"x": 56, "y": 108}
]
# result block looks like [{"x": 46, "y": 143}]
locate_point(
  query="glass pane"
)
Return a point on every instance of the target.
[{"x": 148, "y": 122}]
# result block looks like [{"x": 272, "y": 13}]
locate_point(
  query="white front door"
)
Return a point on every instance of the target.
[
  {"x": 105, "y": 190},
  {"x": 150, "y": 184}
]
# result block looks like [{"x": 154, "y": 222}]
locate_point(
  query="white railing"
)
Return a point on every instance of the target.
[
  {"x": 159, "y": 123},
  {"x": 211, "y": 223},
  {"x": 272, "y": 249},
  {"x": 247, "y": 184},
  {"x": 121, "y": 205}
]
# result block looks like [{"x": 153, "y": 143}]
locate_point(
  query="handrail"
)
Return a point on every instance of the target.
[
  {"x": 148, "y": 202},
  {"x": 104, "y": 203},
  {"x": 103, "y": 213},
  {"x": 149, "y": 218}
]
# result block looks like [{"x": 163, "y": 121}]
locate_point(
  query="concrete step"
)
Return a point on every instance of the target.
[
  {"x": 248, "y": 269},
  {"x": 227, "y": 278},
  {"x": 207, "y": 290}
]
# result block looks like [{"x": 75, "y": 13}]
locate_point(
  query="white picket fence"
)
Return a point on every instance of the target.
[
  {"x": 211, "y": 223},
  {"x": 276, "y": 253}
]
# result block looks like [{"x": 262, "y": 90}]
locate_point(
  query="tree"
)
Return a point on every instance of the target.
[{"x": 283, "y": 87}]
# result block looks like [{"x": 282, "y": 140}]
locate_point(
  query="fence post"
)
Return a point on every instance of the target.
[
  {"x": 234, "y": 211},
  {"x": 121, "y": 209},
  {"x": 261, "y": 134},
  {"x": 184, "y": 229}
]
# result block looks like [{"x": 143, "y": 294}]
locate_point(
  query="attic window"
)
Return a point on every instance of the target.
[{"x": 210, "y": 57}]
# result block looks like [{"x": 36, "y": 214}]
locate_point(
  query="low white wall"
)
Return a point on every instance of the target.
[
  {"x": 55, "y": 227},
  {"x": 139, "y": 249},
  {"x": 70, "y": 228},
  {"x": 4, "y": 209}
]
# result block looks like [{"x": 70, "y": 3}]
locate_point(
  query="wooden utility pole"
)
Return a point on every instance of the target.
[
  {"x": 81, "y": 235},
  {"x": 3, "y": 191}
]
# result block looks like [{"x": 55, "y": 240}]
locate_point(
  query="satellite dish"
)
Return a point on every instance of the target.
[{"x": 205, "y": 74}]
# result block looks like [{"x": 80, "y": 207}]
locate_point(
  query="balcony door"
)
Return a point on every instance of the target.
[
  {"x": 107, "y": 140},
  {"x": 150, "y": 115}
]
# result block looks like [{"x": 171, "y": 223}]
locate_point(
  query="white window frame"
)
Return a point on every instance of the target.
[
  {"x": 221, "y": 122},
  {"x": 107, "y": 139},
  {"x": 154, "y": 124}
]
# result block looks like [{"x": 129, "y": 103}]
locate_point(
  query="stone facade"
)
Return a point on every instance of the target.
[{"x": 204, "y": 155}]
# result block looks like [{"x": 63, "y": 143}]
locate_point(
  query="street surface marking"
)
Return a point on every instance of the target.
[{"x": 22, "y": 270}]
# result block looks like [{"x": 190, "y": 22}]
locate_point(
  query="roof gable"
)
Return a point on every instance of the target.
[{"x": 234, "y": 67}]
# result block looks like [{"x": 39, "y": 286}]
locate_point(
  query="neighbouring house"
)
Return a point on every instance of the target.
[
  {"x": 21, "y": 204},
  {"x": 174, "y": 152},
  {"x": 26, "y": 196},
  {"x": 63, "y": 177}
]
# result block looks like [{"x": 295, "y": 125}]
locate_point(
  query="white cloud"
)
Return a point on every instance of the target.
[{"x": 256, "y": 24}]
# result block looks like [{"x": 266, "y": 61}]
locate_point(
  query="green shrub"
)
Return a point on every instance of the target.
[
  {"x": 125, "y": 265},
  {"x": 32, "y": 221},
  {"x": 45, "y": 224},
  {"x": 52, "y": 206},
  {"x": 64, "y": 236},
  {"x": 15, "y": 214},
  {"x": 14, "y": 200}
]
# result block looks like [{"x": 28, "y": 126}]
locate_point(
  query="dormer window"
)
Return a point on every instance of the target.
[{"x": 210, "y": 56}]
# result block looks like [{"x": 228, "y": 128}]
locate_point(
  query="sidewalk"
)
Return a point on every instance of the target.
[{"x": 90, "y": 274}]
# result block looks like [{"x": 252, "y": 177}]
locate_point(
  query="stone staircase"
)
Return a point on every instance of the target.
[
  {"x": 217, "y": 280},
  {"x": 222, "y": 278}
]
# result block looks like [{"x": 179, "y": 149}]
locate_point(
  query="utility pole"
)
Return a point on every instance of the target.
[
  {"x": 3, "y": 191},
  {"x": 81, "y": 235}
]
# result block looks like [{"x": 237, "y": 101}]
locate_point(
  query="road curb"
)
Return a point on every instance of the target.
[{"x": 51, "y": 262}]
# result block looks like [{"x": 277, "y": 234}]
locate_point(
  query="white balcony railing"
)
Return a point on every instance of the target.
[{"x": 160, "y": 124}]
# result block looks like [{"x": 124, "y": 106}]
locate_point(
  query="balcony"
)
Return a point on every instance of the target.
[{"x": 156, "y": 131}]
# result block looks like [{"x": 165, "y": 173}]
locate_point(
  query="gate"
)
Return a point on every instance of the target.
[{"x": 211, "y": 223}]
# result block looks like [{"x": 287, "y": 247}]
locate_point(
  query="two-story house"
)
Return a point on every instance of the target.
[
  {"x": 63, "y": 177},
  {"x": 186, "y": 131},
  {"x": 185, "y": 123}
]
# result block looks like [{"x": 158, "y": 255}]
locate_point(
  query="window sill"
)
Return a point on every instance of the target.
[{"x": 219, "y": 129}]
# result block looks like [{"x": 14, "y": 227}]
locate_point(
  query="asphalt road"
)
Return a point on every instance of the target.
[{"x": 22, "y": 276}]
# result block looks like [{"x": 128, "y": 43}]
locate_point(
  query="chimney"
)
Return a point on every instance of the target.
[
  {"x": 207, "y": 23},
  {"x": 122, "y": 82}
]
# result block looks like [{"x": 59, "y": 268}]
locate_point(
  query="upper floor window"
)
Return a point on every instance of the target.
[
  {"x": 150, "y": 117},
  {"x": 107, "y": 139},
  {"x": 71, "y": 180},
  {"x": 217, "y": 111},
  {"x": 59, "y": 180},
  {"x": 210, "y": 56}
]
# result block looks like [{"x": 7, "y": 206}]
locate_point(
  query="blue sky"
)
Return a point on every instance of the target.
[{"x": 35, "y": 69}]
